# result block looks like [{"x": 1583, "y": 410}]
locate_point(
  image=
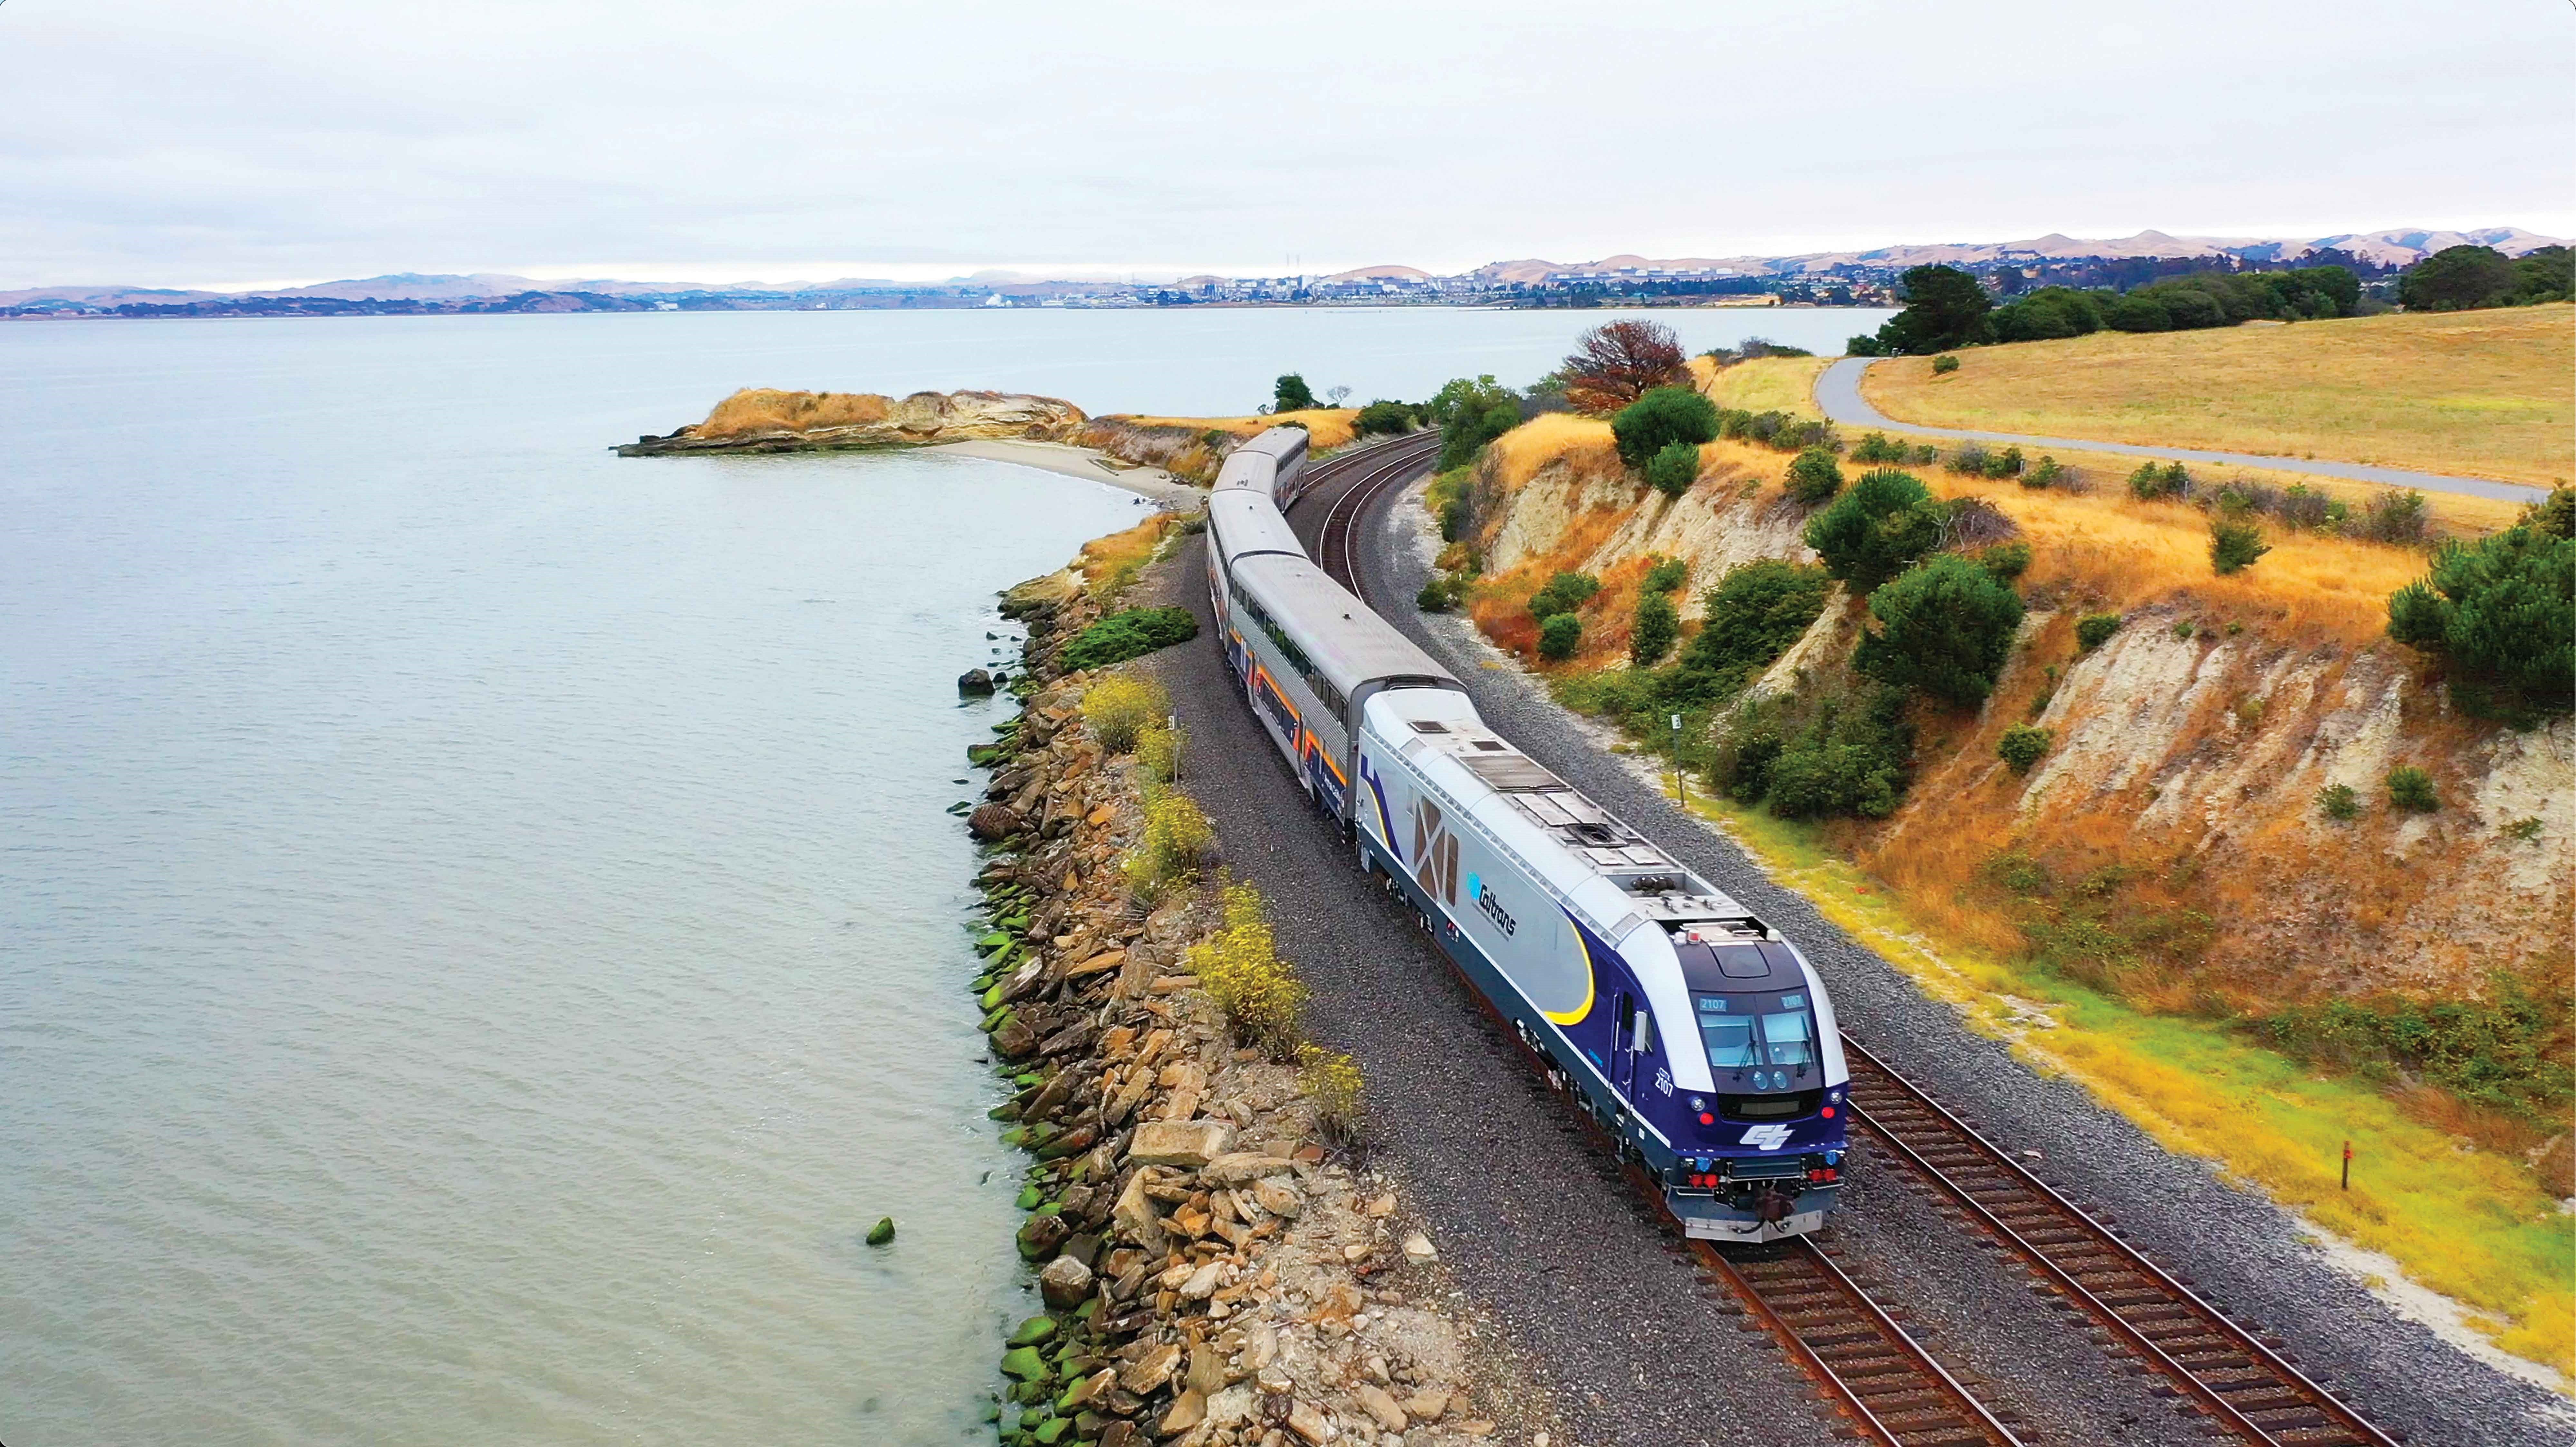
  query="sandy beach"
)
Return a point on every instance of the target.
[{"x": 1086, "y": 463}]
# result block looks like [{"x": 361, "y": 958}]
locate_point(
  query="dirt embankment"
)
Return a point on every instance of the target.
[
  {"x": 1213, "y": 1273},
  {"x": 760, "y": 419},
  {"x": 2189, "y": 750}
]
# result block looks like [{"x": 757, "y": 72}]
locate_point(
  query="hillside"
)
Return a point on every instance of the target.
[
  {"x": 2167, "y": 854},
  {"x": 2482, "y": 393}
]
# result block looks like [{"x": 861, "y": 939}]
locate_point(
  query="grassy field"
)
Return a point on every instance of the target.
[
  {"x": 1326, "y": 427},
  {"x": 2466, "y": 1223},
  {"x": 2482, "y": 393},
  {"x": 1766, "y": 384}
]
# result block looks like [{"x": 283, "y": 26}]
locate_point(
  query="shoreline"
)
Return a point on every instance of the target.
[{"x": 1064, "y": 459}]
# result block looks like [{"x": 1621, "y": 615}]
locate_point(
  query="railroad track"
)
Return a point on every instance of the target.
[
  {"x": 1380, "y": 468},
  {"x": 2232, "y": 1375}
]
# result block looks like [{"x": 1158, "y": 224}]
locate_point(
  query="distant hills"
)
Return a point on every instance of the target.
[{"x": 417, "y": 293}]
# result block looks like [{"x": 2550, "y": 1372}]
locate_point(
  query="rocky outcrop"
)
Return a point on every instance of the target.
[
  {"x": 1212, "y": 1275},
  {"x": 769, "y": 421}
]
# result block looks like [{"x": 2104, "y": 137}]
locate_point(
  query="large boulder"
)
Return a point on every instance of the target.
[
  {"x": 1064, "y": 1283},
  {"x": 1190, "y": 1143},
  {"x": 992, "y": 823}
]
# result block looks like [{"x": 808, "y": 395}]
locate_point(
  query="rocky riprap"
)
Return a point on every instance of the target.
[{"x": 1212, "y": 1274}]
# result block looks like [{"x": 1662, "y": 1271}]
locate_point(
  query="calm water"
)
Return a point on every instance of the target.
[{"x": 478, "y": 931}]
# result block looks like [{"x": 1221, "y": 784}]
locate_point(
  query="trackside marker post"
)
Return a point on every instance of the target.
[
  {"x": 2347, "y": 1165},
  {"x": 1681, "y": 781}
]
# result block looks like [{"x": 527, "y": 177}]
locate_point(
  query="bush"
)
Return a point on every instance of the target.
[
  {"x": 1944, "y": 628},
  {"x": 1847, "y": 758},
  {"x": 1661, "y": 418},
  {"x": 2022, "y": 745},
  {"x": 2394, "y": 517},
  {"x": 2006, "y": 463},
  {"x": 1943, "y": 364},
  {"x": 1383, "y": 417},
  {"x": 2411, "y": 789},
  {"x": 1754, "y": 613},
  {"x": 1672, "y": 470},
  {"x": 2505, "y": 1052},
  {"x": 1176, "y": 838},
  {"x": 1563, "y": 594},
  {"x": 1332, "y": 1081},
  {"x": 2234, "y": 546},
  {"x": 1438, "y": 595},
  {"x": 1559, "y": 637},
  {"x": 1813, "y": 477},
  {"x": 1924, "y": 454},
  {"x": 1470, "y": 412},
  {"x": 1876, "y": 528},
  {"x": 2047, "y": 474},
  {"x": 1158, "y": 753},
  {"x": 1969, "y": 460},
  {"x": 1240, "y": 968},
  {"x": 2500, "y": 613},
  {"x": 2339, "y": 803},
  {"x": 2095, "y": 629},
  {"x": 1651, "y": 636},
  {"x": 1666, "y": 575},
  {"x": 2007, "y": 561},
  {"x": 1875, "y": 447},
  {"x": 2150, "y": 481},
  {"x": 2301, "y": 507},
  {"x": 1117, "y": 709},
  {"x": 1130, "y": 633}
]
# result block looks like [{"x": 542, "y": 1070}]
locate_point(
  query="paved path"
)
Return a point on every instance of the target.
[{"x": 1838, "y": 393}]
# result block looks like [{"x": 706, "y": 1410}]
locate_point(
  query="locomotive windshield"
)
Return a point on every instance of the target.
[{"x": 1766, "y": 1041}]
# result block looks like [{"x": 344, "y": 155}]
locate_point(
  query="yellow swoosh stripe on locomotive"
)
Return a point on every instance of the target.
[{"x": 1697, "y": 1036}]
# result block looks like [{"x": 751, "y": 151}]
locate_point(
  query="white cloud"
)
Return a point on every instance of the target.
[{"x": 161, "y": 141}]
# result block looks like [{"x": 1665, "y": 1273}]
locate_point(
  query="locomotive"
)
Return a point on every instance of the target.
[{"x": 1696, "y": 1035}]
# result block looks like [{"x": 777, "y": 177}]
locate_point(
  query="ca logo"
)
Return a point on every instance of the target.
[{"x": 1767, "y": 1137}]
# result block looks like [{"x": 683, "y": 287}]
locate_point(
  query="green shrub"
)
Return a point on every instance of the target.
[
  {"x": 2095, "y": 629},
  {"x": 1661, "y": 418},
  {"x": 1944, "y": 628},
  {"x": 2021, "y": 746},
  {"x": 2395, "y": 517},
  {"x": 1559, "y": 637},
  {"x": 2006, "y": 463},
  {"x": 1383, "y": 417},
  {"x": 1944, "y": 363},
  {"x": 2500, "y": 614},
  {"x": 1437, "y": 595},
  {"x": 1672, "y": 470},
  {"x": 1470, "y": 412},
  {"x": 1129, "y": 633},
  {"x": 1875, "y": 447},
  {"x": 1813, "y": 477},
  {"x": 1846, "y": 756},
  {"x": 1666, "y": 575},
  {"x": 2505, "y": 1051},
  {"x": 2184, "y": 628},
  {"x": 2339, "y": 803},
  {"x": 2150, "y": 481},
  {"x": 1876, "y": 528},
  {"x": 1924, "y": 455},
  {"x": 2234, "y": 546},
  {"x": 1563, "y": 594},
  {"x": 1651, "y": 636},
  {"x": 2524, "y": 829},
  {"x": 1968, "y": 460},
  {"x": 2046, "y": 474},
  {"x": 2007, "y": 560},
  {"x": 2411, "y": 789},
  {"x": 1753, "y": 614}
]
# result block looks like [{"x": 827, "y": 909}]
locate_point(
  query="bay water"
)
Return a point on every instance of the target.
[{"x": 479, "y": 920}]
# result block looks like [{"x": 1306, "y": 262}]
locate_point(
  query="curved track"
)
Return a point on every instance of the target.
[
  {"x": 1878, "y": 1376},
  {"x": 1380, "y": 469}
]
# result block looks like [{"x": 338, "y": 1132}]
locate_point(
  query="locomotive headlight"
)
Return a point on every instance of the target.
[{"x": 1698, "y": 1104}]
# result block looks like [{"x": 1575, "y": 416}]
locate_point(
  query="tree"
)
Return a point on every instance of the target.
[
  {"x": 1615, "y": 364},
  {"x": 1661, "y": 418},
  {"x": 1470, "y": 412},
  {"x": 2234, "y": 545},
  {"x": 1944, "y": 628},
  {"x": 1944, "y": 308},
  {"x": 2458, "y": 278},
  {"x": 1337, "y": 395},
  {"x": 1877, "y": 528},
  {"x": 2501, "y": 613},
  {"x": 1559, "y": 637},
  {"x": 1673, "y": 469},
  {"x": 1383, "y": 416},
  {"x": 1292, "y": 394},
  {"x": 1813, "y": 477},
  {"x": 2135, "y": 313},
  {"x": 2544, "y": 275},
  {"x": 1651, "y": 636}
]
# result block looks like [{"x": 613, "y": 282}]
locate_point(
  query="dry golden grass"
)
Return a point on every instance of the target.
[
  {"x": 1110, "y": 563},
  {"x": 1765, "y": 384},
  {"x": 2482, "y": 393},
  {"x": 1326, "y": 427},
  {"x": 766, "y": 409},
  {"x": 1580, "y": 442}
]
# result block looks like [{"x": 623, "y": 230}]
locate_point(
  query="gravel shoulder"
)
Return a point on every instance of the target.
[{"x": 2246, "y": 1254}]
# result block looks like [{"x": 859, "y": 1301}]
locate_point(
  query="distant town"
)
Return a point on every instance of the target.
[{"x": 1863, "y": 278}]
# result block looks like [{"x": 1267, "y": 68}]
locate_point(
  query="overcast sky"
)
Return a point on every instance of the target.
[{"x": 171, "y": 143}]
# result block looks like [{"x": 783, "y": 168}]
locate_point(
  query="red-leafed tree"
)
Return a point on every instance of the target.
[{"x": 1614, "y": 365}]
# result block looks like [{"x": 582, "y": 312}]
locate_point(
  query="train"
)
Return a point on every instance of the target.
[{"x": 1698, "y": 1037}]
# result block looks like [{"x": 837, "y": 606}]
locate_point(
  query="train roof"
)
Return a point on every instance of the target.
[
  {"x": 1242, "y": 522},
  {"x": 1346, "y": 642},
  {"x": 1256, "y": 462},
  {"x": 1614, "y": 875}
]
